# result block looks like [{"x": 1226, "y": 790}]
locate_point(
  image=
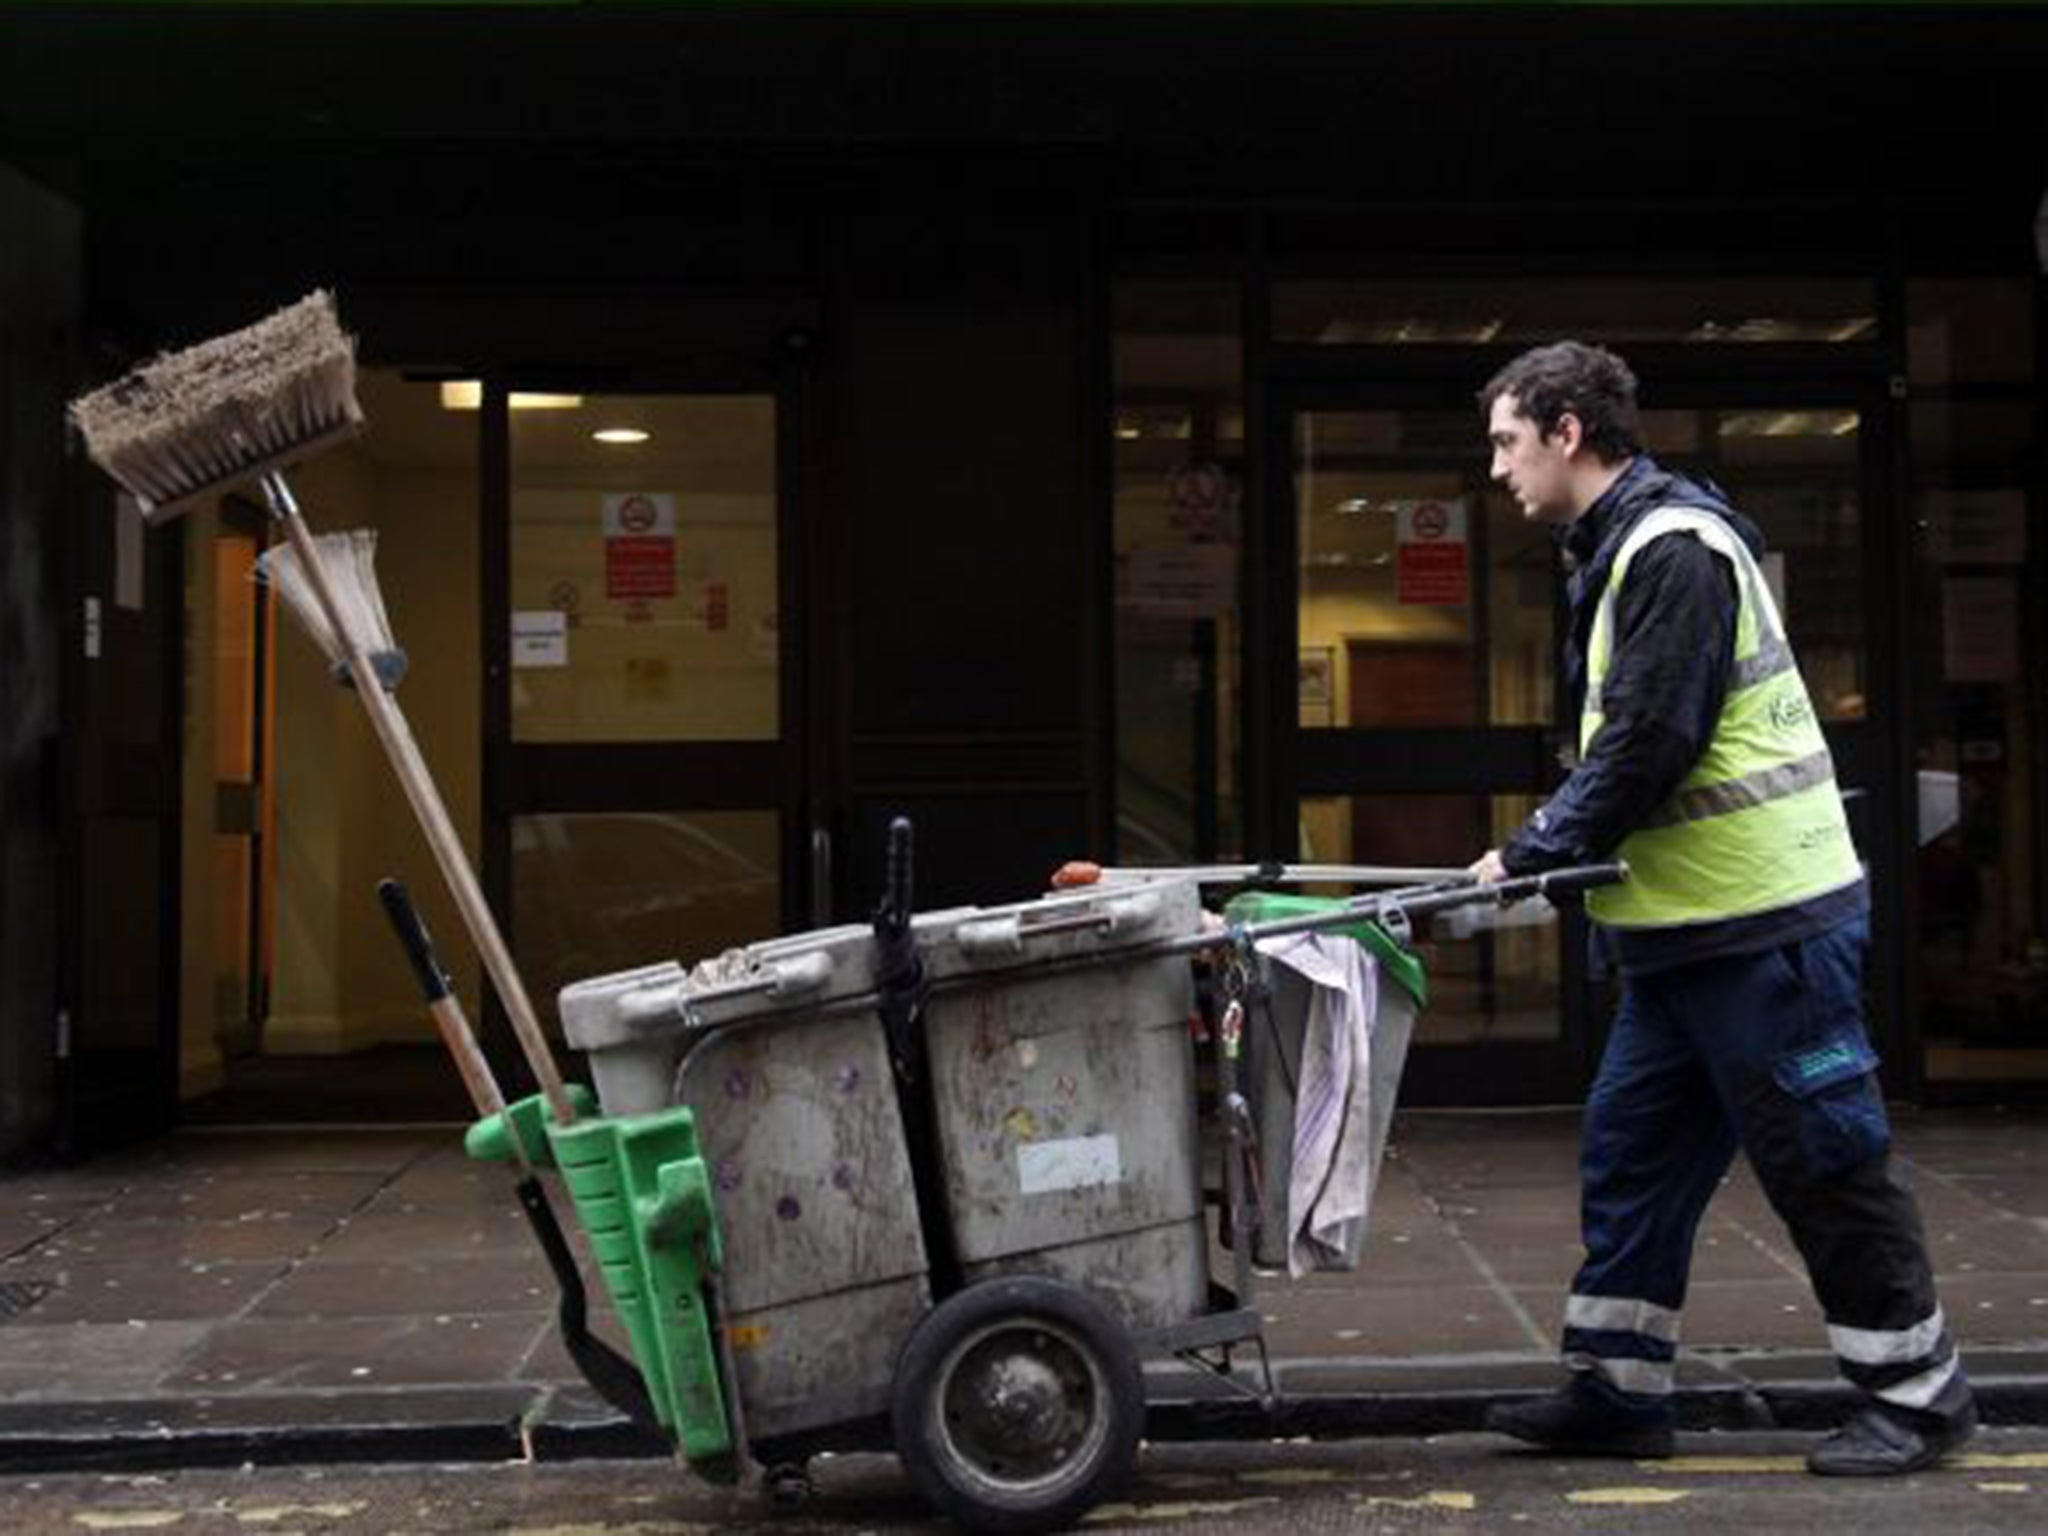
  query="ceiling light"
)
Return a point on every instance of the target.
[
  {"x": 468, "y": 395},
  {"x": 619, "y": 435},
  {"x": 1791, "y": 424}
]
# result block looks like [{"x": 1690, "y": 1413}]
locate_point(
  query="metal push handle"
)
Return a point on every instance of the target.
[
  {"x": 1564, "y": 882},
  {"x": 1080, "y": 873},
  {"x": 1395, "y": 908}
]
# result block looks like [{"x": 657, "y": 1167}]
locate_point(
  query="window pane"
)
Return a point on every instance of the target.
[
  {"x": 644, "y": 569},
  {"x": 1984, "y": 962},
  {"x": 1178, "y": 440},
  {"x": 1970, "y": 331},
  {"x": 1485, "y": 984},
  {"x": 594, "y": 894},
  {"x": 1718, "y": 312},
  {"x": 1426, "y": 598}
]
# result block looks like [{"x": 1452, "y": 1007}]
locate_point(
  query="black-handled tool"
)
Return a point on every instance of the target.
[
  {"x": 900, "y": 989},
  {"x": 412, "y": 933},
  {"x": 614, "y": 1378}
]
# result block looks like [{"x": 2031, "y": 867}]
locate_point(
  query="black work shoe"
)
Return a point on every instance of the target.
[
  {"x": 1571, "y": 1424},
  {"x": 1879, "y": 1444}
]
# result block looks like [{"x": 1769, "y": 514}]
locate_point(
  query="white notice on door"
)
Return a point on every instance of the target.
[
  {"x": 540, "y": 638},
  {"x": 1079, "y": 1162}
]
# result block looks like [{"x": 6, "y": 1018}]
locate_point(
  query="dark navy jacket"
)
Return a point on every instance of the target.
[{"x": 1674, "y": 644}]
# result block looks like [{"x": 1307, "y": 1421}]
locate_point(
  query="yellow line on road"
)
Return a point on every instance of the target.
[
  {"x": 1435, "y": 1499},
  {"x": 1627, "y": 1495},
  {"x": 1192, "y": 1509},
  {"x": 1683, "y": 1464}
]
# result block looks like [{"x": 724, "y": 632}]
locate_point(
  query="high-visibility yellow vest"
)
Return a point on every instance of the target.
[{"x": 1758, "y": 823}]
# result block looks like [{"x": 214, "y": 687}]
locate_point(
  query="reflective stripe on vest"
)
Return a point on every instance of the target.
[{"x": 1758, "y": 823}]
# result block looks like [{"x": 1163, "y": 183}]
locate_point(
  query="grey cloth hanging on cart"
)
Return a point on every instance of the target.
[{"x": 1329, "y": 1184}]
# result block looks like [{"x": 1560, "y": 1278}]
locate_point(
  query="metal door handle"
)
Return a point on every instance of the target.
[{"x": 821, "y": 878}]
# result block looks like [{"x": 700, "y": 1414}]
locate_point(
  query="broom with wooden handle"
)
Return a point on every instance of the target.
[{"x": 242, "y": 407}]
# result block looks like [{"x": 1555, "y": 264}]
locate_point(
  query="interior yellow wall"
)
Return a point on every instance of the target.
[
  {"x": 671, "y": 677},
  {"x": 341, "y": 983}
]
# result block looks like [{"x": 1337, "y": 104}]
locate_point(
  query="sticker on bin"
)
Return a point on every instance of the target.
[{"x": 1079, "y": 1162}]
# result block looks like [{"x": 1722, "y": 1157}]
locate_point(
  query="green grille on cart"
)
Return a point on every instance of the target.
[{"x": 644, "y": 1199}]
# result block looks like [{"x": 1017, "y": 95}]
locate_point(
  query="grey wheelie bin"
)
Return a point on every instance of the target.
[{"x": 1052, "y": 1107}]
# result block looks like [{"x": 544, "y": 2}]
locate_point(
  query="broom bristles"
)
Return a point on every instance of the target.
[
  {"x": 348, "y": 559},
  {"x": 198, "y": 420}
]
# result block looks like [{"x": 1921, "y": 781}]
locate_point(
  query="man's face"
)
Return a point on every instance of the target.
[{"x": 1536, "y": 470}]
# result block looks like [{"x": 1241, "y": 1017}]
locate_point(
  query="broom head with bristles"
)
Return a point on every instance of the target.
[
  {"x": 194, "y": 422},
  {"x": 348, "y": 561}
]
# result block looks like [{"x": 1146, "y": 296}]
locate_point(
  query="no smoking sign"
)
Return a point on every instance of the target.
[{"x": 1430, "y": 566}]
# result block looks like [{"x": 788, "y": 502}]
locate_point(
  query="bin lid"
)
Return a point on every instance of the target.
[{"x": 1271, "y": 906}]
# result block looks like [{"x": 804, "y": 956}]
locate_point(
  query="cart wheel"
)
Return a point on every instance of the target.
[
  {"x": 1017, "y": 1405},
  {"x": 788, "y": 1485}
]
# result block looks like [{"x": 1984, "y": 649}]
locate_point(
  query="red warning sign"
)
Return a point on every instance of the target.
[
  {"x": 1430, "y": 567},
  {"x": 639, "y": 546}
]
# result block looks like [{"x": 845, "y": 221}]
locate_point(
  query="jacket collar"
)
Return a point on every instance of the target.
[{"x": 1586, "y": 534}]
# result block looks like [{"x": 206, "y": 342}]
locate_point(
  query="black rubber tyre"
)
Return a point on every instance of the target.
[
  {"x": 788, "y": 1485},
  {"x": 1018, "y": 1405}
]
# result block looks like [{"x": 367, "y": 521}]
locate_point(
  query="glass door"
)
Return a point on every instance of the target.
[
  {"x": 1424, "y": 613},
  {"x": 1426, "y": 719},
  {"x": 1981, "y": 971},
  {"x": 643, "y": 780}
]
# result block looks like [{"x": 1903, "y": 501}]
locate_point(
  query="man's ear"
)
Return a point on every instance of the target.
[{"x": 1569, "y": 434}]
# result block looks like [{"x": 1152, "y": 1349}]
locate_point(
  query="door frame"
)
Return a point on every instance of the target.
[
  {"x": 105, "y": 1098},
  {"x": 241, "y": 518},
  {"x": 520, "y": 779},
  {"x": 1523, "y": 759}
]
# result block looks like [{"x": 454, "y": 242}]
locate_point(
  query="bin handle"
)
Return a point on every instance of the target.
[
  {"x": 997, "y": 937},
  {"x": 660, "y": 1007}
]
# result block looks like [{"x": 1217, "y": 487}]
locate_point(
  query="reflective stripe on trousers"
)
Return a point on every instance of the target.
[
  {"x": 1630, "y": 1343},
  {"x": 1910, "y": 1367}
]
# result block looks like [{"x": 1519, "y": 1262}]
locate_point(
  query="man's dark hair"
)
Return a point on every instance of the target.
[{"x": 1590, "y": 382}]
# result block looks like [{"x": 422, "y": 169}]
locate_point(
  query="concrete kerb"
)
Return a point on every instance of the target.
[{"x": 547, "y": 1424}]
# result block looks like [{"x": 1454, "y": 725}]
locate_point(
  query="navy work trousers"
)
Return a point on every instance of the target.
[{"x": 1765, "y": 1051}]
